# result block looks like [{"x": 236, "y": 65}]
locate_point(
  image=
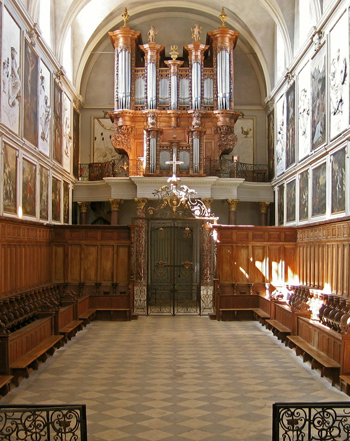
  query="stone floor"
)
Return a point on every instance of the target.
[{"x": 175, "y": 378}]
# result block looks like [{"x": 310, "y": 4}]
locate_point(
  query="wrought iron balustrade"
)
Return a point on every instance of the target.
[
  {"x": 311, "y": 421},
  {"x": 223, "y": 168},
  {"x": 35, "y": 423}
]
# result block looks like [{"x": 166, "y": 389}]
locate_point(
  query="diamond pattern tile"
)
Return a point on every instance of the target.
[{"x": 175, "y": 378}]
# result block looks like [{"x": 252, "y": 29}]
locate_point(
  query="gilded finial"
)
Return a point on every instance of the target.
[
  {"x": 223, "y": 16},
  {"x": 173, "y": 52},
  {"x": 125, "y": 17}
]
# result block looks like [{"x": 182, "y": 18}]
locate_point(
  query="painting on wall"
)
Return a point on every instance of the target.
[
  {"x": 57, "y": 124},
  {"x": 280, "y": 136},
  {"x": 28, "y": 188},
  {"x": 10, "y": 180},
  {"x": 44, "y": 192},
  {"x": 30, "y": 89},
  {"x": 319, "y": 184},
  {"x": 76, "y": 141},
  {"x": 290, "y": 141},
  {"x": 65, "y": 202},
  {"x": 280, "y": 190},
  {"x": 103, "y": 150},
  {"x": 67, "y": 133},
  {"x": 318, "y": 91},
  {"x": 271, "y": 143},
  {"x": 44, "y": 109},
  {"x": 339, "y": 77},
  {"x": 11, "y": 86},
  {"x": 291, "y": 201},
  {"x": 304, "y": 196},
  {"x": 304, "y": 112},
  {"x": 338, "y": 181},
  {"x": 56, "y": 199}
]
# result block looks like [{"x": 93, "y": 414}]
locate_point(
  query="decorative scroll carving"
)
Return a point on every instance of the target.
[
  {"x": 121, "y": 138},
  {"x": 227, "y": 139}
]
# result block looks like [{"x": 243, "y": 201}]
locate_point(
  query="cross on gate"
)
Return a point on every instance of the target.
[{"x": 174, "y": 162}]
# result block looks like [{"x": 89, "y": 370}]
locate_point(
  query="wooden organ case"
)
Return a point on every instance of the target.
[{"x": 166, "y": 105}]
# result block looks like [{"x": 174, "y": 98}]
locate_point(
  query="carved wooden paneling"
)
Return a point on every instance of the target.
[
  {"x": 225, "y": 257},
  {"x": 275, "y": 262},
  {"x": 290, "y": 264},
  {"x": 58, "y": 263},
  {"x": 241, "y": 258},
  {"x": 284, "y": 315},
  {"x": 65, "y": 316},
  {"x": 107, "y": 263},
  {"x": 90, "y": 263},
  {"x": 258, "y": 271},
  {"x": 123, "y": 264},
  {"x": 74, "y": 263}
]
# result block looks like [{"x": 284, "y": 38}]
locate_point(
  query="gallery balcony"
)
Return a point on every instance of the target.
[{"x": 222, "y": 168}]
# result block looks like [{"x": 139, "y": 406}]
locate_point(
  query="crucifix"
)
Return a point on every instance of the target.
[{"x": 174, "y": 162}]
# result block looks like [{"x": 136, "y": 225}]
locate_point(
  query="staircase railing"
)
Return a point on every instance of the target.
[
  {"x": 311, "y": 421},
  {"x": 59, "y": 423}
]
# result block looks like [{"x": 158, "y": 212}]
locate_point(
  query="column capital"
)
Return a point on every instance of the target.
[
  {"x": 83, "y": 206},
  {"x": 114, "y": 203},
  {"x": 141, "y": 202},
  {"x": 207, "y": 202},
  {"x": 264, "y": 206},
  {"x": 232, "y": 204}
]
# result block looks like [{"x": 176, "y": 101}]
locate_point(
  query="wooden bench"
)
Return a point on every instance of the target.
[
  {"x": 20, "y": 368},
  {"x": 345, "y": 379},
  {"x": 113, "y": 313},
  {"x": 258, "y": 313},
  {"x": 279, "y": 330},
  {"x": 329, "y": 367},
  {"x": 5, "y": 381},
  {"x": 88, "y": 315},
  {"x": 71, "y": 329}
]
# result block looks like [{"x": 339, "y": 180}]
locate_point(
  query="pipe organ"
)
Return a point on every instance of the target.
[{"x": 171, "y": 104}]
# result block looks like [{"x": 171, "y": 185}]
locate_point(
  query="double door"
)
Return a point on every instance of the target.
[{"x": 173, "y": 267}]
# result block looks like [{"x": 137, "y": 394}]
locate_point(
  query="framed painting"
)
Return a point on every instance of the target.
[
  {"x": 304, "y": 196},
  {"x": 103, "y": 150},
  {"x": 338, "y": 181},
  {"x": 11, "y": 85},
  {"x": 290, "y": 141},
  {"x": 57, "y": 124},
  {"x": 28, "y": 188},
  {"x": 30, "y": 92},
  {"x": 271, "y": 143},
  {"x": 280, "y": 190},
  {"x": 67, "y": 133},
  {"x": 65, "y": 202},
  {"x": 44, "y": 109},
  {"x": 291, "y": 201},
  {"x": 76, "y": 142},
  {"x": 44, "y": 192},
  {"x": 318, "y": 97},
  {"x": 10, "y": 180},
  {"x": 56, "y": 199},
  {"x": 304, "y": 133},
  {"x": 319, "y": 187},
  {"x": 339, "y": 76},
  {"x": 280, "y": 157}
]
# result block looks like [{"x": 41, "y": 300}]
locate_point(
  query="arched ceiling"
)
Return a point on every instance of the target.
[{"x": 256, "y": 21}]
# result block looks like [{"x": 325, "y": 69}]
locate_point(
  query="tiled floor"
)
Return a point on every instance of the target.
[{"x": 175, "y": 378}]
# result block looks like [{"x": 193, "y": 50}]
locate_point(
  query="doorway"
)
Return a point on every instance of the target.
[{"x": 173, "y": 267}]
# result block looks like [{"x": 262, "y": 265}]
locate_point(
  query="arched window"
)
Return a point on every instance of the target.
[{"x": 45, "y": 20}]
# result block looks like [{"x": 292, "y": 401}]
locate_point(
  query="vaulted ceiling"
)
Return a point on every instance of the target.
[{"x": 256, "y": 20}]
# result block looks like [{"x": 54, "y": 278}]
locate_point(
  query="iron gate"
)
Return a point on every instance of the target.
[{"x": 174, "y": 267}]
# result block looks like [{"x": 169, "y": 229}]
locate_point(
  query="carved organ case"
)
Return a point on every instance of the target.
[{"x": 166, "y": 105}]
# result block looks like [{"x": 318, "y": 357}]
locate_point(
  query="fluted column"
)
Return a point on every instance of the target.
[
  {"x": 114, "y": 203},
  {"x": 83, "y": 206},
  {"x": 263, "y": 213},
  {"x": 232, "y": 206}
]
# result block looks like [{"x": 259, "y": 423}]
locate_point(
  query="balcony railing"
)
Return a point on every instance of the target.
[
  {"x": 311, "y": 421},
  {"x": 223, "y": 168},
  {"x": 59, "y": 423}
]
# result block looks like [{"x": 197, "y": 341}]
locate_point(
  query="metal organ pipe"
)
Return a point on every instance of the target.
[
  {"x": 151, "y": 86},
  {"x": 196, "y": 86},
  {"x": 173, "y": 93},
  {"x": 223, "y": 80},
  {"x": 124, "y": 79}
]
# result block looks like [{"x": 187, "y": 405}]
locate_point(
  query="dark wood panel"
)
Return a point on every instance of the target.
[
  {"x": 123, "y": 264},
  {"x": 90, "y": 263},
  {"x": 74, "y": 263},
  {"x": 58, "y": 263},
  {"x": 107, "y": 263}
]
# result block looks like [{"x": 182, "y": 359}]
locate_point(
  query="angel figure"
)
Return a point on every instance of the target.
[
  {"x": 152, "y": 34},
  {"x": 196, "y": 32}
]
